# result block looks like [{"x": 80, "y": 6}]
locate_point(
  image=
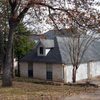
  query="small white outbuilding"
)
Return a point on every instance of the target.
[{"x": 50, "y": 60}]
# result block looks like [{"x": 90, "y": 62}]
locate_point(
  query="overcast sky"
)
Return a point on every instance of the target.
[{"x": 41, "y": 27}]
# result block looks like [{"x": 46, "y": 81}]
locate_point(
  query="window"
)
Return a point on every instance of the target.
[
  {"x": 30, "y": 69},
  {"x": 41, "y": 50},
  {"x": 49, "y": 71}
]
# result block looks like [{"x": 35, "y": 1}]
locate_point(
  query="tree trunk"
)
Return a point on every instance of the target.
[
  {"x": 18, "y": 68},
  {"x": 1, "y": 50},
  {"x": 12, "y": 62},
  {"x": 7, "y": 69},
  {"x": 74, "y": 74}
]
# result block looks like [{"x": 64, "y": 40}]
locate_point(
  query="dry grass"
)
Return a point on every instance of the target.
[{"x": 28, "y": 89}]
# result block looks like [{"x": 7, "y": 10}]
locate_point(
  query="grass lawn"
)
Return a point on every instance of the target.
[{"x": 29, "y": 89}]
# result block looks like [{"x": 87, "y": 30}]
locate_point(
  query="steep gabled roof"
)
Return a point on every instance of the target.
[
  {"x": 91, "y": 54},
  {"x": 69, "y": 32},
  {"x": 59, "y": 52},
  {"x": 52, "y": 57},
  {"x": 47, "y": 43},
  {"x": 51, "y": 34}
]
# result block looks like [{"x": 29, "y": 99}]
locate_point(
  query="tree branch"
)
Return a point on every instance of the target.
[
  {"x": 13, "y": 5},
  {"x": 24, "y": 11}
]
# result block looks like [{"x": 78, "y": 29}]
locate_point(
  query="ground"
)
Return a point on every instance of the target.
[
  {"x": 88, "y": 96},
  {"x": 29, "y": 89}
]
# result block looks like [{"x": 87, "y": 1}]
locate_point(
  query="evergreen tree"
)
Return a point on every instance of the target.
[{"x": 22, "y": 44}]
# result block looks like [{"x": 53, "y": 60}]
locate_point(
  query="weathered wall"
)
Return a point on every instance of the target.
[
  {"x": 86, "y": 70},
  {"x": 95, "y": 69},
  {"x": 39, "y": 71},
  {"x": 82, "y": 72},
  {"x": 68, "y": 73},
  {"x": 24, "y": 69},
  {"x": 57, "y": 72}
]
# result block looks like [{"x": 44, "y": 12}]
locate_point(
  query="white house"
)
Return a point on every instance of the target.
[{"x": 50, "y": 60}]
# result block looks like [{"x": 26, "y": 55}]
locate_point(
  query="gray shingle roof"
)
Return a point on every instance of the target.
[
  {"x": 53, "y": 33},
  {"x": 60, "y": 54},
  {"x": 91, "y": 54},
  {"x": 52, "y": 57},
  {"x": 47, "y": 43}
]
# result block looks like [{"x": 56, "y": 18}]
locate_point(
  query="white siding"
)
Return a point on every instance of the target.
[
  {"x": 81, "y": 72},
  {"x": 39, "y": 71},
  {"x": 69, "y": 73},
  {"x": 65, "y": 74},
  {"x": 57, "y": 72},
  {"x": 95, "y": 68},
  {"x": 84, "y": 71},
  {"x": 24, "y": 69}
]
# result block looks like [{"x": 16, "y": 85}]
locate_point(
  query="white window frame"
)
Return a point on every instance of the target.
[{"x": 40, "y": 54}]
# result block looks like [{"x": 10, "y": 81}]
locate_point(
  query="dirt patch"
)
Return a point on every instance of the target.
[{"x": 24, "y": 89}]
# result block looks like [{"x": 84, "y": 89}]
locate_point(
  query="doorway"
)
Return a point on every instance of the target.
[
  {"x": 49, "y": 72},
  {"x": 30, "y": 70}
]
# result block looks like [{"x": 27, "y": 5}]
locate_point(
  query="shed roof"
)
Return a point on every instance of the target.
[
  {"x": 91, "y": 54},
  {"x": 59, "y": 53},
  {"x": 47, "y": 43},
  {"x": 52, "y": 57}
]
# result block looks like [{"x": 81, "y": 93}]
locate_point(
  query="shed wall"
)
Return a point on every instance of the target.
[
  {"x": 62, "y": 73},
  {"x": 85, "y": 71},
  {"x": 39, "y": 71},
  {"x": 57, "y": 72},
  {"x": 80, "y": 74},
  {"x": 95, "y": 69},
  {"x": 24, "y": 69}
]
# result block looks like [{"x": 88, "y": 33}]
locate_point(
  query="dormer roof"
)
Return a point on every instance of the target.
[
  {"x": 60, "y": 54},
  {"x": 47, "y": 43}
]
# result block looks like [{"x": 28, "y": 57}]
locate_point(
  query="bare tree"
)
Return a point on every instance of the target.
[
  {"x": 82, "y": 19},
  {"x": 77, "y": 44}
]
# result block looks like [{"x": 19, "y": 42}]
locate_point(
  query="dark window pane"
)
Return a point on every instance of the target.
[
  {"x": 41, "y": 50},
  {"x": 49, "y": 71},
  {"x": 49, "y": 75},
  {"x": 30, "y": 73},
  {"x": 30, "y": 69}
]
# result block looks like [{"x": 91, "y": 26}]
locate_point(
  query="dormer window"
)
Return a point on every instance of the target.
[
  {"x": 44, "y": 47},
  {"x": 41, "y": 50}
]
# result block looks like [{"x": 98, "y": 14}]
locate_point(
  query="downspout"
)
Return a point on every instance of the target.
[
  {"x": 89, "y": 65},
  {"x": 63, "y": 72}
]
